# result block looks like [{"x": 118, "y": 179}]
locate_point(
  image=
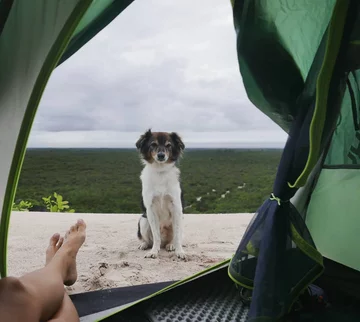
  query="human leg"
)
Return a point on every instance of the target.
[{"x": 39, "y": 295}]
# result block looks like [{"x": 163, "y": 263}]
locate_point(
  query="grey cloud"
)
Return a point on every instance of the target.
[{"x": 161, "y": 65}]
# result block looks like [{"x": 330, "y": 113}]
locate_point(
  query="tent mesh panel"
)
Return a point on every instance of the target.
[{"x": 291, "y": 259}]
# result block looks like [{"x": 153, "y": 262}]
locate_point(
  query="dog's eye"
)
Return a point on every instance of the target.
[
  {"x": 168, "y": 146},
  {"x": 154, "y": 145}
]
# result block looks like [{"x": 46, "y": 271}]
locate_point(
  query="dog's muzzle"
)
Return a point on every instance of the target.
[{"x": 161, "y": 156}]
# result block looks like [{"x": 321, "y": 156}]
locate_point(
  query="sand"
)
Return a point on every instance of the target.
[{"x": 110, "y": 257}]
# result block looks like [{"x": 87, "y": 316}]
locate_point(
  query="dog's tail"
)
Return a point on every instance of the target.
[{"x": 139, "y": 232}]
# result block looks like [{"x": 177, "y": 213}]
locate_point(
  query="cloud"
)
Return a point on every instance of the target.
[
  {"x": 169, "y": 66},
  {"x": 114, "y": 139}
]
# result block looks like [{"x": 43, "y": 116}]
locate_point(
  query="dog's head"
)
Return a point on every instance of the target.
[{"x": 160, "y": 147}]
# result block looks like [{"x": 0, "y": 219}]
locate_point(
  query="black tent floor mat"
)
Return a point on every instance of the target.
[
  {"x": 213, "y": 297},
  {"x": 96, "y": 301},
  {"x": 210, "y": 297},
  {"x": 216, "y": 304}
]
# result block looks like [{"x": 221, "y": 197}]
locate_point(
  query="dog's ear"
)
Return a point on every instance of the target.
[
  {"x": 143, "y": 138},
  {"x": 179, "y": 144}
]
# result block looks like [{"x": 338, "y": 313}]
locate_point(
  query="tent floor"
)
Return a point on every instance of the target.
[
  {"x": 96, "y": 301},
  {"x": 211, "y": 297},
  {"x": 214, "y": 297},
  {"x": 342, "y": 287}
]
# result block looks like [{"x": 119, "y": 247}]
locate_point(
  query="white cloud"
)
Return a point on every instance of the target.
[{"x": 169, "y": 66}]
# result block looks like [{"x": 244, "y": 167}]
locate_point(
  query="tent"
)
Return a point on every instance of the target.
[{"x": 299, "y": 61}]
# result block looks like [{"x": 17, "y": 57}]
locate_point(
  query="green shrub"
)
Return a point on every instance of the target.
[
  {"x": 22, "y": 206},
  {"x": 55, "y": 203},
  {"x": 107, "y": 180}
]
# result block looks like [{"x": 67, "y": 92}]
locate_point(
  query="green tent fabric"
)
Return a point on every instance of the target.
[
  {"x": 277, "y": 43},
  {"x": 36, "y": 36},
  {"x": 97, "y": 17},
  {"x": 299, "y": 60}
]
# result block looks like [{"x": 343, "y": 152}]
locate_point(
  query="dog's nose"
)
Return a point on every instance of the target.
[{"x": 161, "y": 156}]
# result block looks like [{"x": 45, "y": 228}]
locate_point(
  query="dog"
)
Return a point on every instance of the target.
[{"x": 161, "y": 224}]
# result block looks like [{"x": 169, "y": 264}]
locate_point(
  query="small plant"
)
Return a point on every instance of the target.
[
  {"x": 55, "y": 203},
  {"x": 22, "y": 206}
]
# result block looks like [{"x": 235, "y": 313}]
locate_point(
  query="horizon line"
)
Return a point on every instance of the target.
[{"x": 190, "y": 148}]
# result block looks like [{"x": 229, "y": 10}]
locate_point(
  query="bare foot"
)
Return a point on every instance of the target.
[
  {"x": 66, "y": 254},
  {"x": 54, "y": 245}
]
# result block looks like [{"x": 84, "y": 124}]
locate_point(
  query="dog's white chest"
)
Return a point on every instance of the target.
[{"x": 160, "y": 184}]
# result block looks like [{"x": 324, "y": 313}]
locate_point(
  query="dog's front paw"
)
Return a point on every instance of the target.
[
  {"x": 170, "y": 247},
  {"x": 151, "y": 254},
  {"x": 143, "y": 246},
  {"x": 180, "y": 254}
]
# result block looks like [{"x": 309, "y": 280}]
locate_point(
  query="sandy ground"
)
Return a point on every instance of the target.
[{"x": 110, "y": 257}]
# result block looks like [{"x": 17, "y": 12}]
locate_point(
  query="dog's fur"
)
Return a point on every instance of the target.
[{"x": 161, "y": 224}]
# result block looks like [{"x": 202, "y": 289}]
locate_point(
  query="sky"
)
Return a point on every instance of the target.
[{"x": 165, "y": 65}]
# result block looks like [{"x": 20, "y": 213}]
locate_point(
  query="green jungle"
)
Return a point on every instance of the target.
[{"x": 107, "y": 180}]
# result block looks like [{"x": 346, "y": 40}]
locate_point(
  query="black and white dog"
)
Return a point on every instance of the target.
[{"x": 161, "y": 224}]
